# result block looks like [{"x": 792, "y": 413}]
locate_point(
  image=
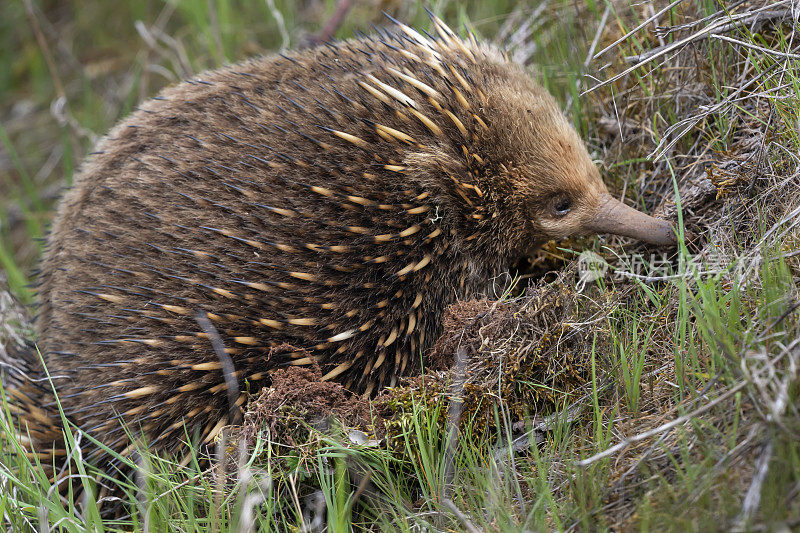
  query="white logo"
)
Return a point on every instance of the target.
[{"x": 591, "y": 267}]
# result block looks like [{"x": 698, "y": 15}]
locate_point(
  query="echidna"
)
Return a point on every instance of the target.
[{"x": 323, "y": 206}]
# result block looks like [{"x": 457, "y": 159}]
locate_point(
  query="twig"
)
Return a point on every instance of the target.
[
  {"x": 332, "y": 26},
  {"x": 753, "y": 497},
  {"x": 724, "y": 12},
  {"x": 296, "y": 501},
  {"x": 516, "y": 41},
  {"x": 598, "y": 33},
  {"x": 775, "y": 53},
  {"x": 660, "y": 429},
  {"x": 461, "y": 516},
  {"x": 729, "y": 8},
  {"x": 278, "y": 16},
  {"x": 153, "y": 34},
  {"x": 668, "y": 140},
  {"x": 656, "y": 53},
  {"x": 228, "y": 369},
  {"x": 454, "y": 418},
  {"x": 51, "y": 67}
]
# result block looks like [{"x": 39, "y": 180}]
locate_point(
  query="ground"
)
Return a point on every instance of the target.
[{"x": 656, "y": 390}]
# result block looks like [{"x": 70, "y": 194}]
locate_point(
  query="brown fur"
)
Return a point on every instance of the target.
[{"x": 233, "y": 195}]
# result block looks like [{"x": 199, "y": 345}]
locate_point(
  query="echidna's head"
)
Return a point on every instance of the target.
[
  {"x": 527, "y": 176},
  {"x": 547, "y": 173}
]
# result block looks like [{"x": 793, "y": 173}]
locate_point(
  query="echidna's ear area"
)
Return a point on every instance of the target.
[
  {"x": 524, "y": 152},
  {"x": 522, "y": 125},
  {"x": 533, "y": 139}
]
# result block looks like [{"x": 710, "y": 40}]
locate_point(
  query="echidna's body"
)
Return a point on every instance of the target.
[{"x": 323, "y": 206}]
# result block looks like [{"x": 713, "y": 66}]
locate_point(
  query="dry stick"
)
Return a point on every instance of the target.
[
  {"x": 154, "y": 34},
  {"x": 618, "y": 485},
  {"x": 151, "y": 42},
  {"x": 739, "y": 450},
  {"x": 777, "y": 407},
  {"x": 228, "y": 369},
  {"x": 336, "y": 20},
  {"x": 516, "y": 40},
  {"x": 639, "y": 461},
  {"x": 725, "y": 12},
  {"x": 660, "y": 429},
  {"x": 600, "y": 28},
  {"x": 251, "y": 499},
  {"x": 762, "y": 152},
  {"x": 333, "y": 24},
  {"x": 296, "y": 501},
  {"x": 668, "y": 141},
  {"x": 628, "y": 70},
  {"x": 753, "y": 496},
  {"x": 278, "y": 16},
  {"x": 51, "y": 67},
  {"x": 755, "y": 256},
  {"x": 511, "y": 24},
  {"x": 760, "y": 15},
  {"x": 775, "y": 53},
  {"x": 453, "y": 419},
  {"x": 654, "y": 16},
  {"x": 573, "y": 412},
  {"x": 461, "y": 517}
]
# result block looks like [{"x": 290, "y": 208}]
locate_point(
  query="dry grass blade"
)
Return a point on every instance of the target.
[
  {"x": 662, "y": 428},
  {"x": 749, "y": 20},
  {"x": 625, "y": 37},
  {"x": 776, "y": 53},
  {"x": 716, "y": 27}
]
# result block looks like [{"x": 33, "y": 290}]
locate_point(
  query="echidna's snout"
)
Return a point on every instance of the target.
[{"x": 612, "y": 216}]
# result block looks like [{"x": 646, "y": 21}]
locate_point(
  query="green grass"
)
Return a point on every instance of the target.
[{"x": 667, "y": 349}]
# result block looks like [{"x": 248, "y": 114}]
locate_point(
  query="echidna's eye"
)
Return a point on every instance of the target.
[{"x": 562, "y": 205}]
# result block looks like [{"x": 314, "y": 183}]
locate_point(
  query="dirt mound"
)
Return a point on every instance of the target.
[
  {"x": 298, "y": 400},
  {"x": 529, "y": 354}
]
